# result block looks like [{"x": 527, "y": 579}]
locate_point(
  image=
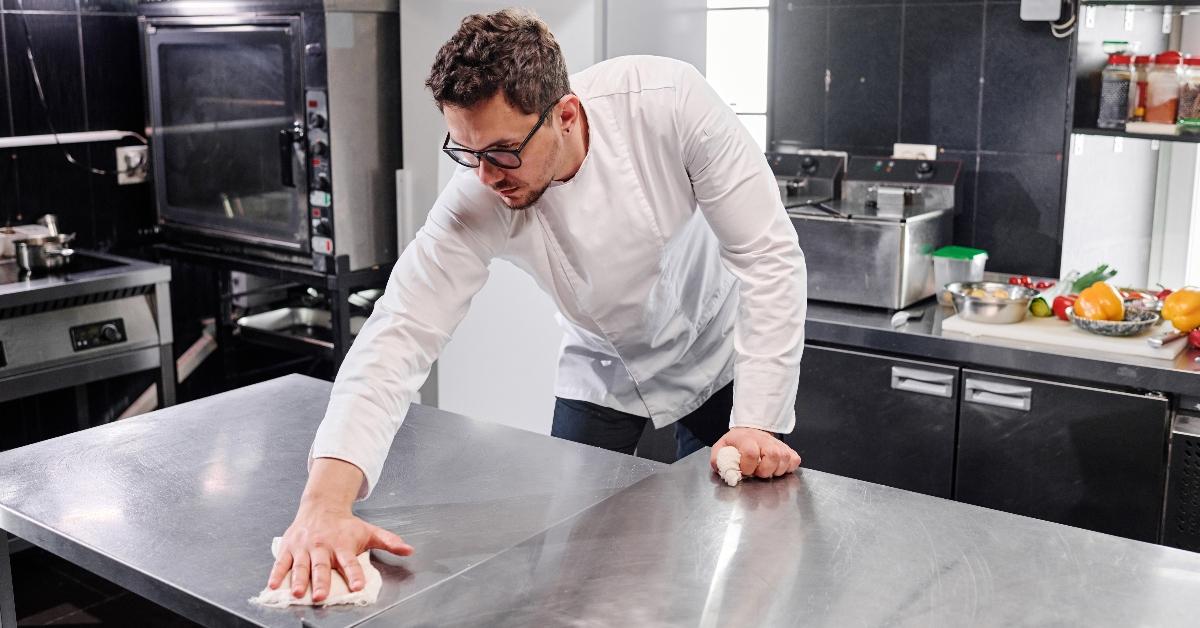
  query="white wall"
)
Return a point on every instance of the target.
[{"x": 1110, "y": 222}]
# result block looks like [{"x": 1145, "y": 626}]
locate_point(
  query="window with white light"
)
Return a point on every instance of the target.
[{"x": 736, "y": 59}]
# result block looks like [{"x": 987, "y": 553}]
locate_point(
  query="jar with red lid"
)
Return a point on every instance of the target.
[
  {"x": 1137, "y": 87},
  {"x": 1114, "y": 92},
  {"x": 1189, "y": 96},
  {"x": 1162, "y": 88}
]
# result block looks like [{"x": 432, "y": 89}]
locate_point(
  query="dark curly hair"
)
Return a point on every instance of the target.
[{"x": 511, "y": 50}]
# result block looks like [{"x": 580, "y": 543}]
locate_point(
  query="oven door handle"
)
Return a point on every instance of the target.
[{"x": 288, "y": 138}]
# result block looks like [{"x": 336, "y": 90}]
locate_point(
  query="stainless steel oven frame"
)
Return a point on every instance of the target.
[{"x": 344, "y": 128}]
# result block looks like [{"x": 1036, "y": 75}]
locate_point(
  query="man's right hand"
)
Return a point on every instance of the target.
[{"x": 326, "y": 535}]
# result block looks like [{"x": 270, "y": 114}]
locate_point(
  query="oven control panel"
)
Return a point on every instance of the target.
[
  {"x": 320, "y": 179},
  {"x": 101, "y": 334}
]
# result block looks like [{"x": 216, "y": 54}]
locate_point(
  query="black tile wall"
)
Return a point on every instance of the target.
[
  {"x": 56, "y": 51},
  {"x": 940, "y": 101},
  {"x": 967, "y": 75},
  {"x": 1025, "y": 89},
  {"x": 864, "y": 87},
  {"x": 800, "y": 84},
  {"x": 89, "y": 60},
  {"x": 1016, "y": 216}
]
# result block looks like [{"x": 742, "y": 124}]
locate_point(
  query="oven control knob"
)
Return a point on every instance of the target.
[
  {"x": 321, "y": 182},
  {"x": 316, "y": 121},
  {"x": 322, "y": 228},
  {"x": 110, "y": 332},
  {"x": 319, "y": 148}
]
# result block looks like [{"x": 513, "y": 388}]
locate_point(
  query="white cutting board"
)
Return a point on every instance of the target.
[{"x": 1051, "y": 331}]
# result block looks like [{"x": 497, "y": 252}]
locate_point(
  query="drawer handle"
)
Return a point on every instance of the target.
[
  {"x": 999, "y": 395},
  {"x": 923, "y": 382}
]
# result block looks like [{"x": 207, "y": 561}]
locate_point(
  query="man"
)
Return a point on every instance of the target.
[{"x": 635, "y": 198}]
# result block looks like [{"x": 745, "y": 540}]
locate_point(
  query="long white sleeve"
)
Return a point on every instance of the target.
[
  {"x": 427, "y": 296},
  {"x": 737, "y": 193}
]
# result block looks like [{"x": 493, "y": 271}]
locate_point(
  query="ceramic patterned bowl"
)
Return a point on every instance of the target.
[{"x": 1136, "y": 321}]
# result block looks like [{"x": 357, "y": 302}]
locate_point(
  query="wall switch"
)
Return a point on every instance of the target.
[
  {"x": 133, "y": 164},
  {"x": 1041, "y": 10}
]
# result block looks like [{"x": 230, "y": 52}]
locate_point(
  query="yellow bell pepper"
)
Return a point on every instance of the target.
[
  {"x": 1182, "y": 308},
  {"x": 1100, "y": 302}
]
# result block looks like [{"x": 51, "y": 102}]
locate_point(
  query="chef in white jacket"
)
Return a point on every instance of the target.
[{"x": 636, "y": 199}]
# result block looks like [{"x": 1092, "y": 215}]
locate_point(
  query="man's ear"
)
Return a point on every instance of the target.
[{"x": 569, "y": 113}]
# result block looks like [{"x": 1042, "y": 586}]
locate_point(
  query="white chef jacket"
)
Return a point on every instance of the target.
[{"x": 662, "y": 305}]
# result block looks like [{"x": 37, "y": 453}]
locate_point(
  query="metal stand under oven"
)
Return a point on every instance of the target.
[
  {"x": 338, "y": 286},
  {"x": 102, "y": 316}
]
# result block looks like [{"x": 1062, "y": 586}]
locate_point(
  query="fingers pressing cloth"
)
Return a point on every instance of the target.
[{"x": 339, "y": 592}]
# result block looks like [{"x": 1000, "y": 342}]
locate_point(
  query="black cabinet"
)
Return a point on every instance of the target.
[
  {"x": 883, "y": 420},
  {"x": 1085, "y": 457}
]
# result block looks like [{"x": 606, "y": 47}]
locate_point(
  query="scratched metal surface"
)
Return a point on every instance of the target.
[
  {"x": 180, "y": 505},
  {"x": 681, "y": 549}
]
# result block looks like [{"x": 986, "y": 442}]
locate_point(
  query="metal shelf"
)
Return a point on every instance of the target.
[{"x": 1193, "y": 139}]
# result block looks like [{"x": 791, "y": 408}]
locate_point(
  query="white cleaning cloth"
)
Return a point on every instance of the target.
[
  {"x": 339, "y": 593},
  {"x": 729, "y": 465}
]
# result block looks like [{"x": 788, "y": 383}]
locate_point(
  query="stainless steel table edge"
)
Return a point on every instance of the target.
[{"x": 109, "y": 568}]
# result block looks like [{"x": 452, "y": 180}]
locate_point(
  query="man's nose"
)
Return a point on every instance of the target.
[{"x": 488, "y": 173}]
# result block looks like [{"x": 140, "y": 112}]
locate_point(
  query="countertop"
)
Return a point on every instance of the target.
[
  {"x": 180, "y": 505},
  {"x": 517, "y": 528},
  {"x": 680, "y": 548},
  {"x": 871, "y": 330}
]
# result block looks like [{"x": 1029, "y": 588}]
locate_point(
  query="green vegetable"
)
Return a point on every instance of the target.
[
  {"x": 1038, "y": 307},
  {"x": 1101, "y": 273}
]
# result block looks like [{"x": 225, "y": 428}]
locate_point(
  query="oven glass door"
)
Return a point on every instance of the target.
[{"x": 227, "y": 113}]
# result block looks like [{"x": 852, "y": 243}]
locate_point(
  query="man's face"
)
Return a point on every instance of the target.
[{"x": 494, "y": 123}]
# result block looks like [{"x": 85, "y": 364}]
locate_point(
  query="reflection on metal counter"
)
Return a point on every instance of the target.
[
  {"x": 180, "y": 505},
  {"x": 96, "y": 316},
  {"x": 681, "y": 548},
  {"x": 872, "y": 246}
]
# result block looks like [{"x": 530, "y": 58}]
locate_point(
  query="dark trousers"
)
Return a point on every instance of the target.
[{"x": 598, "y": 426}]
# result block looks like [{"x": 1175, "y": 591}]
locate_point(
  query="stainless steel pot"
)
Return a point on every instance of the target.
[{"x": 43, "y": 252}]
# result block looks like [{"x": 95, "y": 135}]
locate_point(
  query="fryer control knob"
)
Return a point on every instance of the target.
[
  {"x": 319, "y": 148},
  {"x": 110, "y": 332},
  {"x": 924, "y": 170},
  {"x": 808, "y": 164},
  {"x": 321, "y": 182},
  {"x": 316, "y": 121}
]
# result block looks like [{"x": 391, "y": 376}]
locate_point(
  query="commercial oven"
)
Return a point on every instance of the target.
[{"x": 274, "y": 127}]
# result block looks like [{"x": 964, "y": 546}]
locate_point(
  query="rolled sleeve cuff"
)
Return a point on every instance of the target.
[{"x": 764, "y": 397}]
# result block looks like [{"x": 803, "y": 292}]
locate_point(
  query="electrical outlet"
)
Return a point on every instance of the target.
[{"x": 133, "y": 164}]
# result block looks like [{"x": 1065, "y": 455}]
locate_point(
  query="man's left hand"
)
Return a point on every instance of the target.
[{"x": 762, "y": 455}]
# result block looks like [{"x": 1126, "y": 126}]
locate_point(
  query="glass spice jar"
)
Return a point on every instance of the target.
[
  {"x": 1137, "y": 87},
  {"x": 1114, "y": 92},
  {"x": 1189, "y": 96},
  {"x": 1162, "y": 88}
]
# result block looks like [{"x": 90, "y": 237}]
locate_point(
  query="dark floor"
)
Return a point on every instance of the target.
[{"x": 53, "y": 592}]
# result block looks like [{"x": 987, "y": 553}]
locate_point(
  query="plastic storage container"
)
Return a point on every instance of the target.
[
  {"x": 1137, "y": 87},
  {"x": 1114, "y": 92},
  {"x": 956, "y": 264},
  {"x": 1162, "y": 89},
  {"x": 1189, "y": 96}
]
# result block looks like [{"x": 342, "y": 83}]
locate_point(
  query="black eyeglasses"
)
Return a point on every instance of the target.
[{"x": 507, "y": 158}]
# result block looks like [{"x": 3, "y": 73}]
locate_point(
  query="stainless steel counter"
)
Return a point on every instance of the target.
[
  {"x": 871, "y": 329},
  {"x": 682, "y": 549},
  {"x": 180, "y": 505}
]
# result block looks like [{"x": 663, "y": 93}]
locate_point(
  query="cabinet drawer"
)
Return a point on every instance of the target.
[
  {"x": 878, "y": 419},
  {"x": 1085, "y": 457}
]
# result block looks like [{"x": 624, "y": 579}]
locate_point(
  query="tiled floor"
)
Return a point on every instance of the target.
[{"x": 52, "y": 592}]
